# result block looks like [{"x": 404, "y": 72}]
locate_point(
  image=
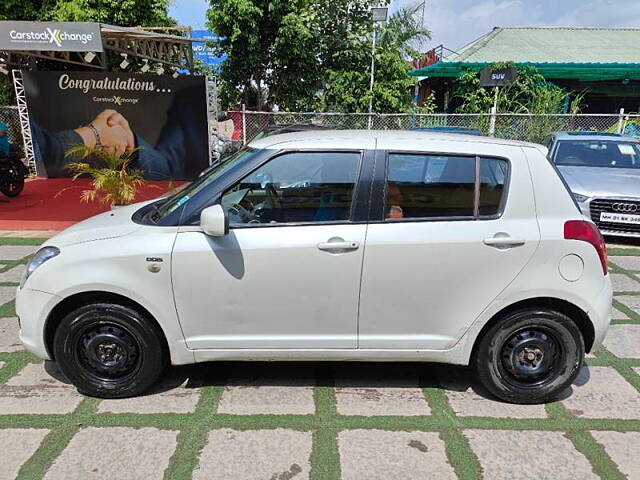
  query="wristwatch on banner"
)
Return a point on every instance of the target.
[{"x": 96, "y": 134}]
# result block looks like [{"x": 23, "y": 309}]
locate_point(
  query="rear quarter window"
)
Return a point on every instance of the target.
[{"x": 444, "y": 186}]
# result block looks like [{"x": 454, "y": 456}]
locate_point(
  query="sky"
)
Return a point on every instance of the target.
[{"x": 454, "y": 23}]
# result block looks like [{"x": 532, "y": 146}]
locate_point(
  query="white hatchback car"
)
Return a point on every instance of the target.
[{"x": 333, "y": 245}]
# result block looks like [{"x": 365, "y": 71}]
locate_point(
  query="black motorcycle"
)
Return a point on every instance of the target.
[{"x": 12, "y": 174}]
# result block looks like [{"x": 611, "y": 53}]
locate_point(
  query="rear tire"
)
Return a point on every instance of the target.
[
  {"x": 109, "y": 351},
  {"x": 529, "y": 356},
  {"x": 13, "y": 185}
]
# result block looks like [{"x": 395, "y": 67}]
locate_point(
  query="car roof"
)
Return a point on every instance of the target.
[
  {"x": 385, "y": 139},
  {"x": 600, "y": 136}
]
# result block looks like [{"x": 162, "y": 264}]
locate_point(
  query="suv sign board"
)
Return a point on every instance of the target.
[
  {"x": 50, "y": 36},
  {"x": 497, "y": 78}
]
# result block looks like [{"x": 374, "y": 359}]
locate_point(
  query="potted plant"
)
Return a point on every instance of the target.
[{"x": 113, "y": 181}]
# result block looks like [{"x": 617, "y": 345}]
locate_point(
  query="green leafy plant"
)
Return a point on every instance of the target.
[{"x": 113, "y": 181}]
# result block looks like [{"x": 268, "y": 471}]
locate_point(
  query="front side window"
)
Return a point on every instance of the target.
[
  {"x": 443, "y": 186},
  {"x": 598, "y": 153},
  {"x": 301, "y": 187}
]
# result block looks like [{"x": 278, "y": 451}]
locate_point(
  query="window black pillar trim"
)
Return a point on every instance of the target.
[
  {"x": 376, "y": 212},
  {"x": 362, "y": 199}
]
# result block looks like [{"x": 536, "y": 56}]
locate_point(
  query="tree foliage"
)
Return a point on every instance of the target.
[
  {"x": 312, "y": 54},
  {"x": 127, "y": 13}
]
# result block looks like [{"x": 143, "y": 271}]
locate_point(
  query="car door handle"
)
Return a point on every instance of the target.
[
  {"x": 504, "y": 242},
  {"x": 340, "y": 246}
]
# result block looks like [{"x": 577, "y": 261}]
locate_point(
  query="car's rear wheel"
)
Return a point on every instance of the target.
[
  {"x": 109, "y": 351},
  {"x": 529, "y": 356}
]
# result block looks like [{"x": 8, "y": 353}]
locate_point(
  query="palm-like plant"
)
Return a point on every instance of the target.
[{"x": 112, "y": 181}]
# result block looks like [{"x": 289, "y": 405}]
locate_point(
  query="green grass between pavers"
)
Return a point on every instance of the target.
[
  {"x": 326, "y": 424},
  {"x": 22, "y": 241}
]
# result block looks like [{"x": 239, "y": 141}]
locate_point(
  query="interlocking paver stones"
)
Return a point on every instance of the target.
[
  {"x": 7, "y": 294},
  {"x": 18, "y": 444},
  {"x": 470, "y": 404},
  {"x": 268, "y": 393},
  {"x": 9, "y": 341},
  {"x": 255, "y": 454},
  {"x": 626, "y": 262},
  {"x": 167, "y": 400},
  {"x": 378, "y": 454},
  {"x": 513, "y": 455},
  {"x": 12, "y": 275},
  {"x": 388, "y": 392},
  {"x": 601, "y": 392},
  {"x": 624, "y": 450},
  {"x": 16, "y": 252},
  {"x": 631, "y": 301},
  {"x": 624, "y": 283},
  {"x": 623, "y": 341},
  {"x": 618, "y": 315},
  {"x": 115, "y": 453},
  {"x": 33, "y": 390}
]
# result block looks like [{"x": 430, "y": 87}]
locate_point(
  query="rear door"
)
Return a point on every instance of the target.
[{"x": 450, "y": 231}]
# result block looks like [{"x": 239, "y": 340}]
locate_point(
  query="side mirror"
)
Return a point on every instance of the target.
[{"x": 214, "y": 221}]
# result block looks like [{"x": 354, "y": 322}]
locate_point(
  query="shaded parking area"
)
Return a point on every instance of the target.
[{"x": 322, "y": 420}]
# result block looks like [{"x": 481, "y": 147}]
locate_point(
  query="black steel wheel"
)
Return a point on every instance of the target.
[
  {"x": 529, "y": 356},
  {"x": 109, "y": 351}
]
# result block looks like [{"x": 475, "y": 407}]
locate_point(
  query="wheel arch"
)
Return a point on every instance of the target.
[
  {"x": 575, "y": 313},
  {"x": 72, "y": 302}
]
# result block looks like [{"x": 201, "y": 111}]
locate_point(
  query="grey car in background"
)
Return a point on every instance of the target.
[{"x": 603, "y": 173}]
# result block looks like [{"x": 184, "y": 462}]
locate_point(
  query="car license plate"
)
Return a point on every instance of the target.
[{"x": 619, "y": 217}]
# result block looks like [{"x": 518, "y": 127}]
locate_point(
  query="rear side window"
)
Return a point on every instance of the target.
[{"x": 435, "y": 186}]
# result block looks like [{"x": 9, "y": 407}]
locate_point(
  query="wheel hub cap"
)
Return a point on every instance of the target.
[
  {"x": 530, "y": 355},
  {"x": 109, "y": 350}
]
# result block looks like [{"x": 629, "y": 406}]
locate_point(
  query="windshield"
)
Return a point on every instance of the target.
[
  {"x": 209, "y": 175},
  {"x": 598, "y": 153}
]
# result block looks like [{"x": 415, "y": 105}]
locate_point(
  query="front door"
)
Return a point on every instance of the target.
[
  {"x": 449, "y": 241},
  {"x": 288, "y": 273}
]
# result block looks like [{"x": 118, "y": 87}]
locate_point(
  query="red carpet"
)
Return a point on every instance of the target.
[{"x": 54, "y": 204}]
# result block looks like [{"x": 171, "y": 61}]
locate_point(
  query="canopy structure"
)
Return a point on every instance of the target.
[
  {"x": 22, "y": 43},
  {"x": 569, "y": 53},
  {"x": 584, "y": 72}
]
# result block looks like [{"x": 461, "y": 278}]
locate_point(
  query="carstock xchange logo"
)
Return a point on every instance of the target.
[{"x": 50, "y": 35}]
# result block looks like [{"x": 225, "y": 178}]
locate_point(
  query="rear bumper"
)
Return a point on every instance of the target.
[
  {"x": 33, "y": 307},
  {"x": 600, "y": 314}
]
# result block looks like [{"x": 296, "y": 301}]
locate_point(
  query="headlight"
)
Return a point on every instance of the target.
[
  {"x": 38, "y": 259},
  {"x": 580, "y": 198}
]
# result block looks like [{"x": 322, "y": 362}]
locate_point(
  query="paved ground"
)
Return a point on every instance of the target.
[{"x": 331, "y": 420}]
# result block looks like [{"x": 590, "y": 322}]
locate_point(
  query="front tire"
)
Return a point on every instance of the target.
[
  {"x": 529, "y": 356},
  {"x": 109, "y": 351}
]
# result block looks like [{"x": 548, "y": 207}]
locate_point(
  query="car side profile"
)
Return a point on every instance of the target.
[{"x": 333, "y": 245}]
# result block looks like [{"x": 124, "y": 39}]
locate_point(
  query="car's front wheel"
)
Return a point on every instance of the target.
[
  {"x": 529, "y": 356},
  {"x": 109, "y": 350}
]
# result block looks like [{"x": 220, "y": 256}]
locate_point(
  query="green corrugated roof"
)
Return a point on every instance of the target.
[{"x": 559, "y": 52}]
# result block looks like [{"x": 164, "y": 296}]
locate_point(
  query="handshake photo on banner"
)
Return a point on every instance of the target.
[
  {"x": 109, "y": 131},
  {"x": 180, "y": 153}
]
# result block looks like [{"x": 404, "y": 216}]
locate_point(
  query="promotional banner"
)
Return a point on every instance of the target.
[
  {"x": 50, "y": 36},
  {"x": 164, "y": 117},
  {"x": 203, "y": 52}
]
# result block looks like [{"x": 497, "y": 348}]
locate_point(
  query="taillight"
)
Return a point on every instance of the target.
[{"x": 587, "y": 232}]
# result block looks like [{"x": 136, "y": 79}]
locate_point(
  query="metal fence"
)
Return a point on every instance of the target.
[
  {"x": 9, "y": 116},
  {"x": 243, "y": 126}
]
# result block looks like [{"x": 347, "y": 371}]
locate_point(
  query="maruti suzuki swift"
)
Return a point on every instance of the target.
[{"x": 333, "y": 245}]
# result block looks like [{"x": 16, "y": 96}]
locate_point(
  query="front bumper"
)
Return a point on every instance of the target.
[
  {"x": 600, "y": 314},
  {"x": 33, "y": 308}
]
